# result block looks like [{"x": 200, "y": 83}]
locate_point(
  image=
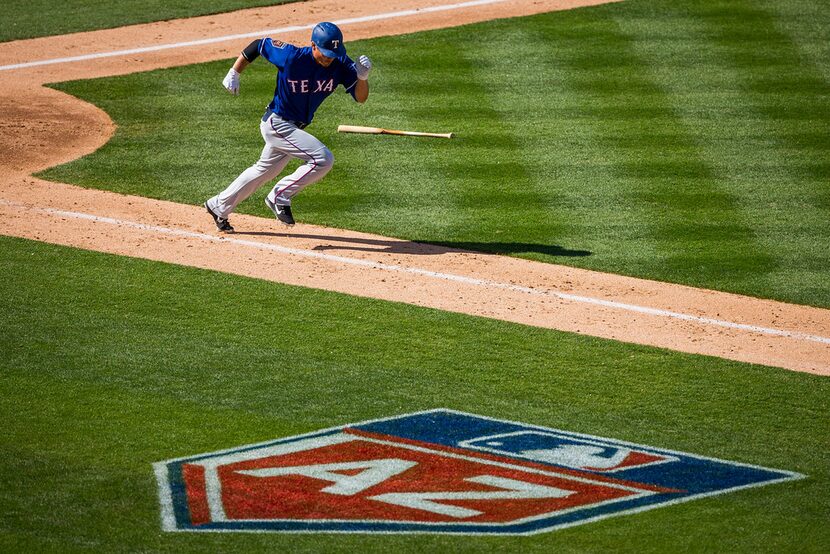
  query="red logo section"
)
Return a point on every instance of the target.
[{"x": 345, "y": 477}]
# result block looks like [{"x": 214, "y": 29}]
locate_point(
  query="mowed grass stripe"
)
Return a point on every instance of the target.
[
  {"x": 805, "y": 23},
  {"x": 524, "y": 138},
  {"x": 571, "y": 166},
  {"x": 687, "y": 223},
  {"x": 789, "y": 93},
  {"x": 788, "y": 97},
  {"x": 756, "y": 116},
  {"x": 493, "y": 170},
  {"x": 699, "y": 93}
]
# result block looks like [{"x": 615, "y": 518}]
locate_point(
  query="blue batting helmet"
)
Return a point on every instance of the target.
[{"x": 329, "y": 39}]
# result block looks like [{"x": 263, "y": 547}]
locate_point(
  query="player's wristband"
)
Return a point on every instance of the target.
[{"x": 251, "y": 51}]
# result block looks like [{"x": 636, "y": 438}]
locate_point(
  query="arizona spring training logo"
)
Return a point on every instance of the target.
[{"x": 439, "y": 471}]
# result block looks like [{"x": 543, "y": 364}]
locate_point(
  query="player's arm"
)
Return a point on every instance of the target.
[
  {"x": 249, "y": 54},
  {"x": 361, "y": 88}
]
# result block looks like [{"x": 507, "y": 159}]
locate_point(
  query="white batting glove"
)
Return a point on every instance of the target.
[
  {"x": 363, "y": 67},
  {"x": 231, "y": 81}
]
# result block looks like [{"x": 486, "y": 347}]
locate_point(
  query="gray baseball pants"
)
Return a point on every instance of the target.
[{"x": 283, "y": 141}]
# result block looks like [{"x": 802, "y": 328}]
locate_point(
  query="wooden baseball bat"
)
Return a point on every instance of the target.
[{"x": 379, "y": 131}]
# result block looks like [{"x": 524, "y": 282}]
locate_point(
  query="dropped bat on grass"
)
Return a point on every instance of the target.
[{"x": 379, "y": 131}]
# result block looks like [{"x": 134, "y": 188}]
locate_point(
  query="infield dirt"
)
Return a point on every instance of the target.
[{"x": 42, "y": 127}]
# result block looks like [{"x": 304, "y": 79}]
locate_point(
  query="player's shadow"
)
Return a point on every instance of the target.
[
  {"x": 517, "y": 248},
  {"x": 423, "y": 248}
]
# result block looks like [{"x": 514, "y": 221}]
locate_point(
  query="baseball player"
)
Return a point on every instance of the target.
[{"x": 306, "y": 77}]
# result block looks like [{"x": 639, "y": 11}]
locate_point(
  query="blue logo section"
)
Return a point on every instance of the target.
[
  {"x": 689, "y": 474},
  {"x": 439, "y": 471}
]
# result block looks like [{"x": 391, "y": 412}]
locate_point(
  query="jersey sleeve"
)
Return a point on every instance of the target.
[
  {"x": 348, "y": 75},
  {"x": 251, "y": 52},
  {"x": 276, "y": 51}
]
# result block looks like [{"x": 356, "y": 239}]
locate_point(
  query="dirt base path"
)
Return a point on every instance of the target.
[{"x": 41, "y": 128}]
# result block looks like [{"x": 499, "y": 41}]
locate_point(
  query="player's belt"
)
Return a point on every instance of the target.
[{"x": 269, "y": 113}]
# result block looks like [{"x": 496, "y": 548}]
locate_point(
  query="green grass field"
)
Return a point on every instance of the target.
[
  {"x": 23, "y": 19},
  {"x": 683, "y": 141},
  {"x": 111, "y": 364}
]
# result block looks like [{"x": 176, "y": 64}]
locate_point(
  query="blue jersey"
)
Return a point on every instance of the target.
[{"x": 302, "y": 83}]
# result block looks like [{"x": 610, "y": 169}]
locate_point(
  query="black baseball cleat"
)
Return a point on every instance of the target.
[
  {"x": 283, "y": 213},
  {"x": 222, "y": 224}
]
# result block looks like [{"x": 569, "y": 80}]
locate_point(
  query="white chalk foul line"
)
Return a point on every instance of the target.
[
  {"x": 434, "y": 274},
  {"x": 255, "y": 34}
]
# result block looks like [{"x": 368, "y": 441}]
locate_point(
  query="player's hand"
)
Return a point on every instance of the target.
[
  {"x": 231, "y": 81},
  {"x": 363, "y": 67}
]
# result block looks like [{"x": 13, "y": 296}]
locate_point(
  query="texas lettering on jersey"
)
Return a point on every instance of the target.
[{"x": 303, "y": 87}]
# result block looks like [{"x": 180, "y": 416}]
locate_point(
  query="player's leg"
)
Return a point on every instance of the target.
[
  {"x": 271, "y": 162},
  {"x": 269, "y": 165},
  {"x": 298, "y": 144}
]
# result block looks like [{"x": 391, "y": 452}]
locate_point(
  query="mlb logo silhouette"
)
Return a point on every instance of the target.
[
  {"x": 568, "y": 451},
  {"x": 435, "y": 472}
]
